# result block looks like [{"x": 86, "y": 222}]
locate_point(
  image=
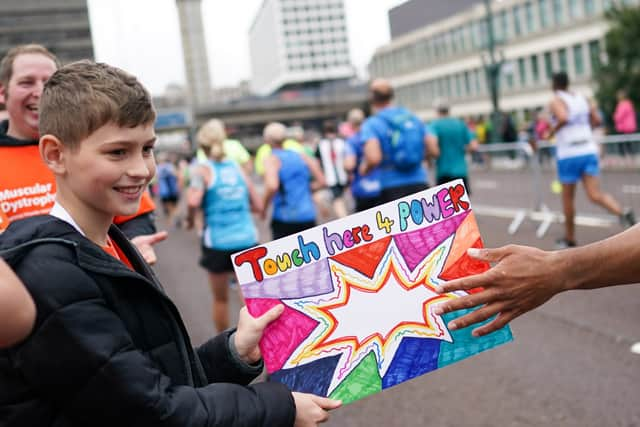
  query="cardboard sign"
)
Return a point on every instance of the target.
[{"x": 358, "y": 295}]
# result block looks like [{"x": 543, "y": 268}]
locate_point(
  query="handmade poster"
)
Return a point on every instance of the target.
[{"x": 359, "y": 295}]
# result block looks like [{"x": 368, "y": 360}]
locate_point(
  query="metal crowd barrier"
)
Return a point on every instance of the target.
[{"x": 623, "y": 150}]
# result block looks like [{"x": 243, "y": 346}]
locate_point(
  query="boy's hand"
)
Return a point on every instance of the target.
[
  {"x": 312, "y": 410},
  {"x": 145, "y": 243},
  {"x": 250, "y": 331}
]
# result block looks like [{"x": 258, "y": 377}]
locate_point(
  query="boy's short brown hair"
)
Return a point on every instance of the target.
[
  {"x": 83, "y": 96},
  {"x": 6, "y": 65}
]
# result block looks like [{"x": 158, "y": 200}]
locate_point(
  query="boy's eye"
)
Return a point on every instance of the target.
[
  {"x": 148, "y": 149},
  {"x": 119, "y": 152}
]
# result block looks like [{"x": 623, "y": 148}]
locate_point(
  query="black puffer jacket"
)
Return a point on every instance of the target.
[{"x": 109, "y": 347}]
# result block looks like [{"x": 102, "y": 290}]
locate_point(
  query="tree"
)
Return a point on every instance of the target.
[{"x": 620, "y": 68}]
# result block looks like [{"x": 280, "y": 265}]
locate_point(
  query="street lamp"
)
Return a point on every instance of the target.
[{"x": 492, "y": 68}]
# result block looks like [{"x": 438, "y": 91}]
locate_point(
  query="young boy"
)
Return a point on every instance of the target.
[{"x": 108, "y": 347}]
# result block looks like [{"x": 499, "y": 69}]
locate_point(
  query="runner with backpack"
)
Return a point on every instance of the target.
[{"x": 396, "y": 143}]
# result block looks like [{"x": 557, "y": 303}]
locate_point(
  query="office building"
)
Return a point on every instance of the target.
[
  {"x": 446, "y": 59},
  {"x": 293, "y": 42},
  {"x": 60, "y": 25},
  {"x": 415, "y": 14}
]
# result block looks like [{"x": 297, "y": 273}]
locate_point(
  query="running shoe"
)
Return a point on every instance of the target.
[
  {"x": 564, "y": 243},
  {"x": 628, "y": 218}
]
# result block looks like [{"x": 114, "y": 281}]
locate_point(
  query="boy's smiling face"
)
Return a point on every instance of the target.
[{"x": 107, "y": 172}]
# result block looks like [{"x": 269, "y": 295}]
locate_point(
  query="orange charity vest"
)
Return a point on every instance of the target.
[{"x": 28, "y": 188}]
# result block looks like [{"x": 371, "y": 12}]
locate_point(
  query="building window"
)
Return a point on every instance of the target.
[
  {"x": 517, "y": 27},
  {"x": 558, "y": 11},
  {"x": 543, "y": 11},
  {"x": 467, "y": 84},
  {"x": 458, "y": 78},
  {"x": 463, "y": 39},
  {"x": 478, "y": 80},
  {"x": 535, "y": 70},
  {"x": 594, "y": 54},
  {"x": 454, "y": 40},
  {"x": 573, "y": 9},
  {"x": 504, "y": 23},
  {"x": 589, "y": 7},
  {"x": 522, "y": 71},
  {"x": 508, "y": 79},
  {"x": 530, "y": 19},
  {"x": 548, "y": 65},
  {"x": 562, "y": 59},
  {"x": 578, "y": 60}
]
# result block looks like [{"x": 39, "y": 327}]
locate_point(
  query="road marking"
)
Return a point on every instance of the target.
[
  {"x": 635, "y": 349},
  {"x": 584, "y": 220},
  {"x": 631, "y": 189},
  {"x": 485, "y": 184}
]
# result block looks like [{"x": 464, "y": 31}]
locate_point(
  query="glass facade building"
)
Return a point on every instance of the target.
[
  {"x": 534, "y": 37},
  {"x": 293, "y": 41}
]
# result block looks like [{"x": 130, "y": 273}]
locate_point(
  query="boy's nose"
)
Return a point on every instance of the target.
[{"x": 141, "y": 168}]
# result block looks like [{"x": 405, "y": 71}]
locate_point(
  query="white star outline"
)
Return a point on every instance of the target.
[{"x": 325, "y": 308}]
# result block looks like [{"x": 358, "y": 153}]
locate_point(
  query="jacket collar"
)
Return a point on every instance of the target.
[{"x": 24, "y": 235}]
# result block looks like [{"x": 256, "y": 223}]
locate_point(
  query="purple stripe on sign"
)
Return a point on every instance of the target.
[
  {"x": 314, "y": 279},
  {"x": 414, "y": 246}
]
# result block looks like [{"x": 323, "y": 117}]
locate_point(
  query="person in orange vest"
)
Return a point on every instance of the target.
[{"x": 27, "y": 187}]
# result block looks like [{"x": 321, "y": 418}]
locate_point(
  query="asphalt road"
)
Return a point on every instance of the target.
[{"x": 569, "y": 365}]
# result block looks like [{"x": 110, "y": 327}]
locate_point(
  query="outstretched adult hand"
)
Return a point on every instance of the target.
[
  {"x": 145, "y": 243},
  {"x": 522, "y": 279},
  {"x": 312, "y": 410},
  {"x": 250, "y": 330}
]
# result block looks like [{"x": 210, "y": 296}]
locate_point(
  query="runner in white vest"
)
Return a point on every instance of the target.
[{"x": 577, "y": 155}]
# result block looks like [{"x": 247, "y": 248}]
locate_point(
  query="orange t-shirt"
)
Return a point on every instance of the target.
[
  {"x": 114, "y": 250},
  {"x": 28, "y": 188}
]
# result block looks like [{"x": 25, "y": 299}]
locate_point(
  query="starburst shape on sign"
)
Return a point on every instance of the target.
[{"x": 364, "y": 315}]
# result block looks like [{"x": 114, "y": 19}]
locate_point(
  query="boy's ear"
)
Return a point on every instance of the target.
[
  {"x": 3, "y": 97},
  {"x": 52, "y": 151}
]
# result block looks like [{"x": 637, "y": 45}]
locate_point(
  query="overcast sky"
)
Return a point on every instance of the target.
[{"x": 142, "y": 37}]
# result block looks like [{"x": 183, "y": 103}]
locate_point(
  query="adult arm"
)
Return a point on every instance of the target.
[
  {"x": 271, "y": 181},
  {"x": 559, "y": 111},
  {"x": 254, "y": 197},
  {"x": 350, "y": 159},
  {"x": 319, "y": 180},
  {"x": 372, "y": 156},
  {"x": 433, "y": 148},
  {"x": 594, "y": 115},
  {"x": 17, "y": 310},
  {"x": 524, "y": 278},
  {"x": 93, "y": 372},
  {"x": 472, "y": 141},
  {"x": 372, "y": 149},
  {"x": 200, "y": 179}
]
